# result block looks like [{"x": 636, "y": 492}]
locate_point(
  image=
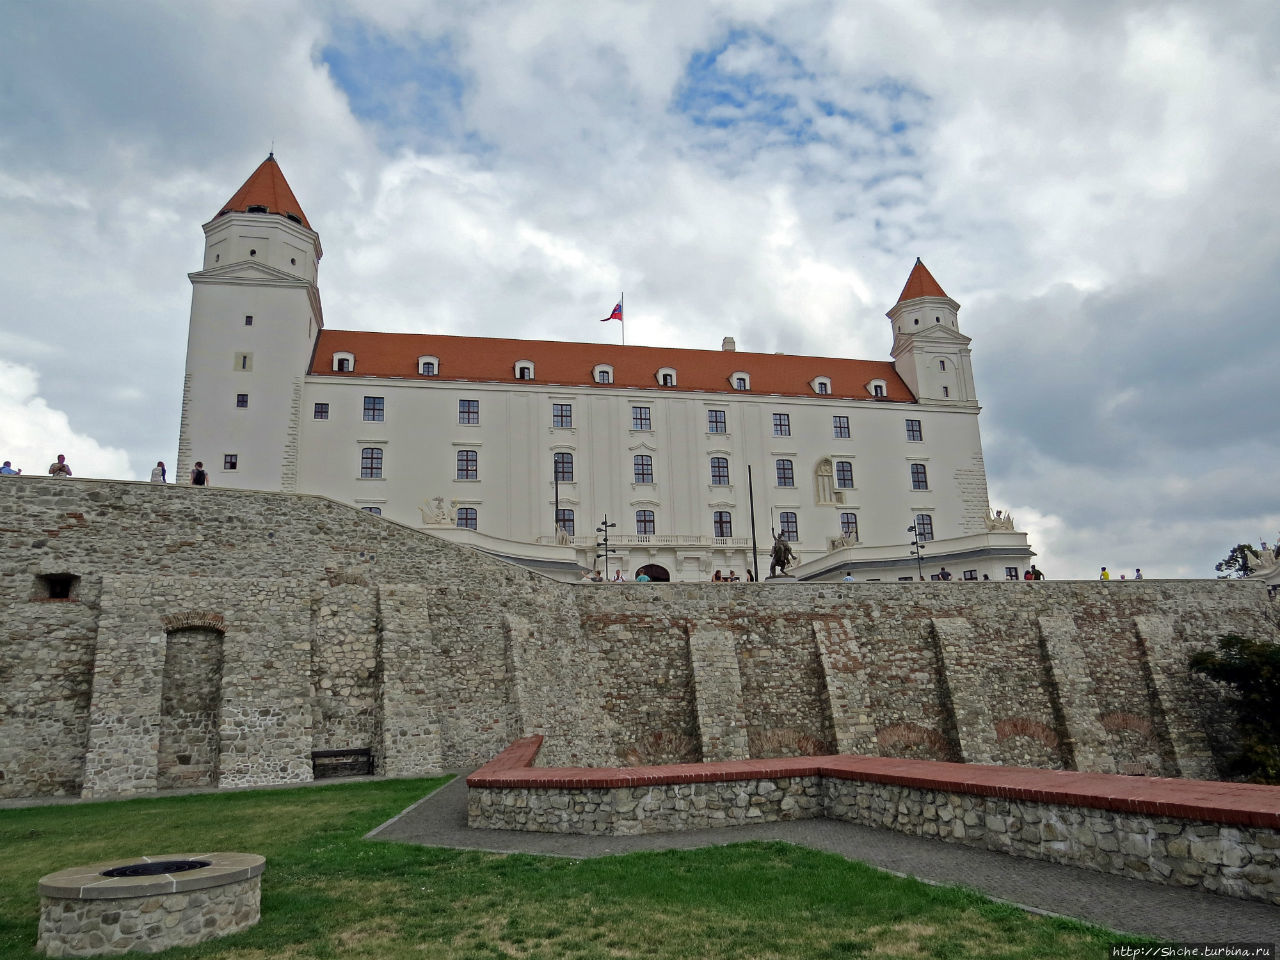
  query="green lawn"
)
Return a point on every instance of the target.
[{"x": 328, "y": 893}]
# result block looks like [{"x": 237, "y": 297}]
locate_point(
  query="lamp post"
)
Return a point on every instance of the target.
[
  {"x": 603, "y": 542},
  {"x": 917, "y": 546}
]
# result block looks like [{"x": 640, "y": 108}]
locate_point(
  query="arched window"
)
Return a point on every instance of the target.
[
  {"x": 876, "y": 388},
  {"x": 786, "y": 473},
  {"x": 524, "y": 369},
  {"x": 720, "y": 471},
  {"x": 371, "y": 463},
  {"x": 564, "y": 520},
  {"x": 564, "y": 467},
  {"x": 722, "y": 523},
  {"x": 789, "y": 527},
  {"x": 666, "y": 376},
  {"x": 919, "y": 477},
  {"x": 429, "y": 366},
  {"x": 740, "y": 379},
  {"x": 821, "y": 385},
  {"x": 376, "y": 511},
  {"x": 844, "y": 475},
  {"x": 468, "y": 518},
  {"x": 468, "y": 465},
  {"x": 849, "y": 526},
  {"x": 602, "y": 373},
  {"x": 642, "y": 465},
  {"x": 644, "y": 522},
  {"x": 344, "y": 362}
]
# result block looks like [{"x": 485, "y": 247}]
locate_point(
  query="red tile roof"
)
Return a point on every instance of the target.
[
  {"x": 266, "y": 187},
  {"x": 921, "y": 284},
  {"x": 488, "y": 360}
]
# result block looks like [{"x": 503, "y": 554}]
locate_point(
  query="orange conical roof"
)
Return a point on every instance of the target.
[
  {"x": 921, "y": 284},
  {"x": 266, "y": 187}
]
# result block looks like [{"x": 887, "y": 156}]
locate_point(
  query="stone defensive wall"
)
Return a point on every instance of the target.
[
  {"x": 1221, "y": 838},
  {"x": 164, "y": 636}
]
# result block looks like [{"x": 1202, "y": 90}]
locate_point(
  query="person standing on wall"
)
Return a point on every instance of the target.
[
  {"x": 60, "y": 468},
  {"x": 158, "y": 473},
  {"x": 198, "y": 477},
  {"x": 1104, "y": 575}
]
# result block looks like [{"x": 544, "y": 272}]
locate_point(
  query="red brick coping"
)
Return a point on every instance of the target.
[{"x": 1233, "y": 803}]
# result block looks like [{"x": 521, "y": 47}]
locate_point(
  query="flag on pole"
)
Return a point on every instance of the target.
[{"x": 616, "y": 315}]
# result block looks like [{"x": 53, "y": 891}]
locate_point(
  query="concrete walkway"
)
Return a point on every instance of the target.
[{"x": 1166, "y": 913}]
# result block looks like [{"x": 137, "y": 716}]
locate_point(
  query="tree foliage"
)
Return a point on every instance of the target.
[
  {"x": 1252, "y": 669},
  {"x": 1239, "y": 563}
]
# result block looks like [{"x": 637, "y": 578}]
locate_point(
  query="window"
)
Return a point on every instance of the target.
[
  {"x": 740, "y": 383},
  {"x": 913, "y": 430},
  {"x": 376, "y": 511},
  {"x": 248, "y": 321},
  {"x": 924, "y": 527},
  {"x": 823, "y": 387},
  {"x": 722, "y": 523},
  {"x": 230, "y": 461},
  {"x": 946, "y": 392},
  {"x": 564, "y": 467},
  {"x": 840, "y": 427},
  {"x": 468, "y": 518},
  {"x": 667, "y": 376},
  {"x": 255, "y": 208},
  {"x": 844, "y": 474},
  {"x": 373, "y": 408},
  {"x": 242, "y": 399},
  {"x": 428, "y": 368},
  {"x": 344, "y": 365},
  {"x": 877, "y": 390},
  {"x": 640, "y": 419},
  {"x": 942, "y": 364},
  {"x": 244, "y": 361},
  {"x": 740, "y": 379},
  {"x": 720, "y": 471},
  {"x": 1011, "y": 573},
  {"x": 344, "y": 361},
  {"x": 919, "y": 478},
  {"x": 782, "y": 424},
  {"x": 468, "y": 411},
  {"x": 849, "y": 526},
  {"x": 321, "y": 412},
  {"x": 564, "y": 521},
  {"x": 644, "y": 522},
  {"x": 786, "y": 473},
  {"x": 524, "y": 371},
  {"x": 468, "y": 465},
  {"x": 602, "y": 373},
  {"x": 642, "y": 466},
  {"x": 371, "y": 463},
  {"x": 716, "y": 422},
  {"x": 970, "y": 575},
  {"x": 562, "y": 414},
  {"x": 790, "y": 529}
]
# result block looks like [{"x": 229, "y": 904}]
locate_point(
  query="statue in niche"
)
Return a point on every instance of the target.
[
  {"x": 1000, "y": 521},
  {"x": 824, "y": 482},
  {"x": 781, "y": 556}
]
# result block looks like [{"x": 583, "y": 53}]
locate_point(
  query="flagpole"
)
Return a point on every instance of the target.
[{"x": 622, "y": 320}]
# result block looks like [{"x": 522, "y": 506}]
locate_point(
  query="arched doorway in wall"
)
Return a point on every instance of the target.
[
  {"x": 190, "y": 702},
  {"x": 655, "y": 572}
]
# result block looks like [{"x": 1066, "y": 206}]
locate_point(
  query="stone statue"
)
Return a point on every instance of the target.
[
  {"x": 1001, "y": 520},
  {"x": 562, "y": 537},
  {"x": 824, "y": 482},
  {"x": 781, "y": 556},
  {"x": 437, "y": 513}
]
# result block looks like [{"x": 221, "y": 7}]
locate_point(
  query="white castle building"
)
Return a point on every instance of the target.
[{"x": 522, "y": 447}]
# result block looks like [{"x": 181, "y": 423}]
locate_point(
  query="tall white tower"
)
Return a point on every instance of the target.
[
  {"x": 929, "y": 351},
  {"x": 255, "y": 314}
]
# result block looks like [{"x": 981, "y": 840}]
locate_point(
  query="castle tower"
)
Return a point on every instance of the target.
[
  {"x": 929, "y": 351},
  {"x": 255, "y": 315}
]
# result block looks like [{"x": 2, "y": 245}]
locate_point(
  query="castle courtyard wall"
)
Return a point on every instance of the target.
[{"x": 335, "y": 629}]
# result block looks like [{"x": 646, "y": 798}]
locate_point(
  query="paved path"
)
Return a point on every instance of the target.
[{"x": 1167, "y": 913}]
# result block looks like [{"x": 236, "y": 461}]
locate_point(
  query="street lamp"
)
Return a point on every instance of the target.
[
  {"x": 602, "y": 543},
  {"x": 917, "y": 546}
]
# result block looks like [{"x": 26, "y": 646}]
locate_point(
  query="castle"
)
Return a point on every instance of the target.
[{"x": 522, "y": 447}]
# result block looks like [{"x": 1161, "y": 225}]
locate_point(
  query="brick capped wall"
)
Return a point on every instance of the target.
[{"x": 341, "y": 630}]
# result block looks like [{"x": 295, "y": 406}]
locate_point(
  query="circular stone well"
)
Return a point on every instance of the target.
[{"x": 148, "y": 904}]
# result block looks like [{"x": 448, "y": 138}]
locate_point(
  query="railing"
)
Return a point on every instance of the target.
[{"x": 658, "y": 540}]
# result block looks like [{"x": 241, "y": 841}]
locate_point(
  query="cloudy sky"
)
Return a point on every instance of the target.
[{"x": 1095, "y": 182}]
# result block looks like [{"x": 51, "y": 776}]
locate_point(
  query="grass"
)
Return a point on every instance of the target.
[{"x": 328, "y": 893}]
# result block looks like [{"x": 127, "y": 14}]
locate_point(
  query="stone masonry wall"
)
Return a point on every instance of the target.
[{"x": 341, "y": 630}]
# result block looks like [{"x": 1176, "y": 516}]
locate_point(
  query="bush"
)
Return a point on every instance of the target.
[{"x": 1252, "y": 669}]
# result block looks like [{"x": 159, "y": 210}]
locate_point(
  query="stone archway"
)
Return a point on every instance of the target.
[
  {"x": 655, "y": 572},
  {"x": 191, "y": 698}
]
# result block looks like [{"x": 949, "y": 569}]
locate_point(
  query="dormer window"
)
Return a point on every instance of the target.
[
  {"x": 821, "y": 385},
  {"x": 344, "y": 362},
  {"x": 256, "y": 208},
  {"x": 524, "y": 369},
  {"x": 740, "y": 380},
  {"x": 429, "y": 366},
  {"x": 602, "y": 373},
  {"x": 667, "y": 376},
  {"x": 294, "y": 217},
  {"x": 876, "y": 388}
]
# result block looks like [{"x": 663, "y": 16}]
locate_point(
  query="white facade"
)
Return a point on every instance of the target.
[{"x": 352, "y": 416}]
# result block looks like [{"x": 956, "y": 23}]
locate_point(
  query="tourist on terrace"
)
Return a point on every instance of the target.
[
  {"x": 60, "y": 468},
  {"x": 8, "y": 471}
]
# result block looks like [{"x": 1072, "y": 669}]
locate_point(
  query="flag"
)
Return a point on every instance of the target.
[{"x": 616, "y": 315}]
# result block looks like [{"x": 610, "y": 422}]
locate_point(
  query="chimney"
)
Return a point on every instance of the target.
[{"x": 728, "y": 344}]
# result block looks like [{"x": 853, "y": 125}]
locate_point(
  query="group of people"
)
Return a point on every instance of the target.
[
  {"x": 594, "y": 576},
  {"x": 731, "y": 577},
  {"x": 61, "y": 469},
  {"x": 1106, "y": 574}
]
